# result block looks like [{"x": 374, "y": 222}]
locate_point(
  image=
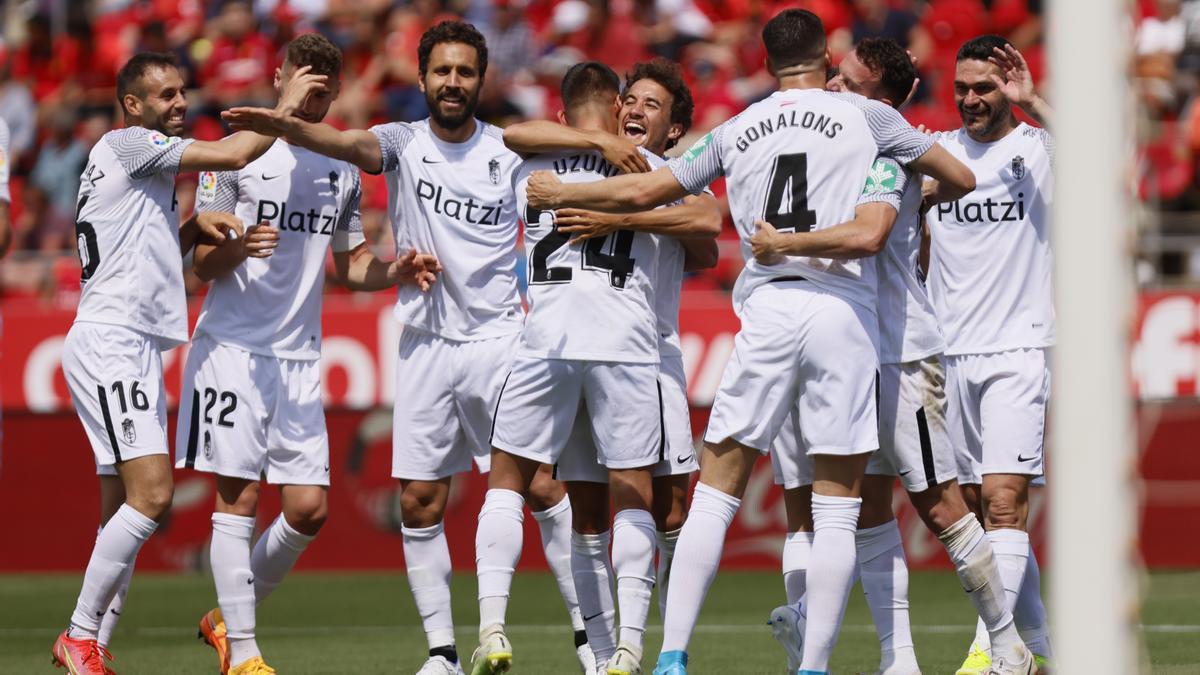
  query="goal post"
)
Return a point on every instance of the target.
[{"x": 1093, "y": 605}]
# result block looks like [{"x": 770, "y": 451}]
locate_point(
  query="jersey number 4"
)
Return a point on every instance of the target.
[
  {"x": 789, "y": 184},
  {"x": 616, "y": 262}
]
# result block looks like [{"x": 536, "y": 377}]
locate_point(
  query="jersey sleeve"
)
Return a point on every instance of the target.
[
  {"x": 348, "y": 233},
  {"x": 144, "y": 153},
  {"x": 5, "y": 196},
  {"x": 1047, "y": 140},
  {"x": 393, "y": 137},
  {"x": 894, "y": 136},
  {"x": 701, "y": 164},
  {"x": 886, "y": 183},
  {"x": 217, "y": 191}
]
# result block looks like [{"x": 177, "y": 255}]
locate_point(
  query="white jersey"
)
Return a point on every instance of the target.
[
  {"x": 667, "y": 290},
  {"x": 908, "y": 327},
  {"x": 592, "y": 301},
  {"x": 127, "y": 231},
  {"x": 455, "y": 201},
  {"x": 991, "y": 261},
  {"x": 272, "y": 306},
  {"x": 5, "y": 196},
  {"x": 799, "y": 159}
]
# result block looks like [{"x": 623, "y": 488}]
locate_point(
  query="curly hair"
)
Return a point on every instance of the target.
[
  {"x": 452, "y": 31},
  {"x": 317, "y": 51},
  {"x": 669, "y": 75},
  {"x": 887, "y": 59}
]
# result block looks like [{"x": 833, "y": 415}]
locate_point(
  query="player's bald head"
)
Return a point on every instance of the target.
[
  {"x": 589, "y": 84},
  {"x": 795, "y": 42}
]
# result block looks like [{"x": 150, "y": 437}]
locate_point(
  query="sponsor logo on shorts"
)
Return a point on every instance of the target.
[{"x": 128, "y": 431}]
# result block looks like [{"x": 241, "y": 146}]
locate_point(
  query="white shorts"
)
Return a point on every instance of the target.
[
  {"x": 115, "y": 378},
  {"x": 541, "y": 398},
  {"x": 446, "y": 393},
  {"x": 578, "y": 461},
  {"x": 806, "y": 352},
  {"x": 997, "y": 412},
  {"x": 250, "y": 416},
  {"x": 913, "y": 442}
]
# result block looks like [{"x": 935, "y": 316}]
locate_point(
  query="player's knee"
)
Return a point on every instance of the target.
[
  {"x": 308, "y": 514},
  {"x": 153, "y": 501},
  {"x": 419, "y": 508},
  {"x": 545, "y": 492},
  {"x": 670, "y": 518},
  {"x": 1003, "y": 510}
]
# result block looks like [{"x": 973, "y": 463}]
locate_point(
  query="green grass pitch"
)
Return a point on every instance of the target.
[{"x": 366, "y": 623}]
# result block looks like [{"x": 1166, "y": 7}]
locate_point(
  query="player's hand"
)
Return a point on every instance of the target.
[
  {"x": 916, "y": 81},
  {"x": 417, "y": 269},
  {"x": 929, "y": 188},
  {"x": 265, "y": 121},
  {"x": 542, "y": 190},
  {"x": 582, "y": 224},
  {"x": 766, "y": 243},
  {"x": 260, "y": 241},
  {"x": 624, "y": 155},
  {"x": 1017, "y": 83},
  {"x": 303, "y": 83},
  {"x": 218, "y": 227}
]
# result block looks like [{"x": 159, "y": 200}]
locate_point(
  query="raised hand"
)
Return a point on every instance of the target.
[
  {"x": 765, "y": 243},
  {"x": 542, "y": 190},
  {"x": 297, "y": 90},
  {"x": 582, "y": 224},
  {"x": 1017, "y": 83}
]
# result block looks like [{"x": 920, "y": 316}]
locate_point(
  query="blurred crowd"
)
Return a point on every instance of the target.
[{"x": 58, "y": 64}]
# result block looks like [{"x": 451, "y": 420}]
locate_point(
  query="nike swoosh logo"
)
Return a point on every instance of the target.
[
  {"x": 1021, "y": 458},
  {"x": 682, "y": 459},
  {"x": 427, "y": 161},
  {"x": 250, "y": 580},
  {"x": 589, "y": 618},
  {"x": 905, "y": 473},
  {"x": 266, "y": 177}
]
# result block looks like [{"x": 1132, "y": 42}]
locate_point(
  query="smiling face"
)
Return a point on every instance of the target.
[
  {"x": 645, "y": 116},
  {"x": 159, "y": 102},
  {"x": 451, "y": 84},
  {"x": 984, "y": 110}
]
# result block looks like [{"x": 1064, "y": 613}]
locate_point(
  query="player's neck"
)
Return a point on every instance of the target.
[
  {"x": 805, "y": 80},
  {"x": 462, "y": 134}
]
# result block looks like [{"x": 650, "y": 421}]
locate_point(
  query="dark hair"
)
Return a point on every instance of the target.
[
  {"x": 317, "y": 51},
  {"x": 452, "y": 31},
  {"x": 135, "y": 69},
  {"x": 669, "y": 75},
  {"x": 980, "y": 48},
  {"x": 794, "y": 37},
  {"x": 589, "y": 82},
  {"x": 887, "y": 59}
]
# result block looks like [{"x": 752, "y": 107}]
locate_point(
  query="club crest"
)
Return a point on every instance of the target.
[
  {"x": 333, "y": 182},
  {"x": 128, "y": 431},
  {"x": 494, "y": 171},
  {"x": 1017, "y": 167},
  {"x": 207, "y": 445}
]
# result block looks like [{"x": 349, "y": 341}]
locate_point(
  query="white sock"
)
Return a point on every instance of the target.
[
  {"x": 230, "y": 556},
  {"x": 594, "y": 576},
  {"x": 665, "y": 542},
  {"x": 274, "y": 556},
  {"x": 797, "y": 551},
  {"x": 633, "y": 561},
  {"x": 554, "y": 524},
  {"x": 109, "y": 623},
  {"x": 1012, "y": 557},
  {"x": 1030, "y": 613},
  {"x": 830, "y": 576},
  {"x": 497, "y": 550},
  {"x": 697, "y": 556},
  {"x": 884, "y": 575},
  {"x": 975, "y": 564},
  {"x": 116, "y": 548},
  {"x": 427, "y": 562}
]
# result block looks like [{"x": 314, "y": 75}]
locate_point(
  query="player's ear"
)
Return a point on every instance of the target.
[
  {"x": 675, "y": 132},
  {"x": 421, "y": 81},
  {"x": 132, "y": 105},
  {"x": 562, "y": 118},
  {"x": 278, "y": 83}
]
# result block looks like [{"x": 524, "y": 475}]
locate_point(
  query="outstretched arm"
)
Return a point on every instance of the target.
[
  {"x": 538, "y": 136},
  {"x": 359, "y": 270},
  {"x": 619, "y": 194},
  {"x": 864, "y": 236}
]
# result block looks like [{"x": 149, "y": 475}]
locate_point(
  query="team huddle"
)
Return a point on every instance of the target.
[{"x": 895, "y": 311}]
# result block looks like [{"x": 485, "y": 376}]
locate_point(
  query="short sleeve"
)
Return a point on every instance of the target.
[
  {"x": 393, "y": 137},
  {"x": 894, "y": 136},
  {"x": 886, "y": 183},
  {"x": 5, "y": 196},
  {"x": 143, "y": 152},
  {"x": 1047, "y": 140},
  {"x": 217, "y": 191},
  {"x": 701, "y": 164},
  {"x": 348, "y": 234}
]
